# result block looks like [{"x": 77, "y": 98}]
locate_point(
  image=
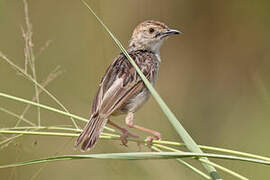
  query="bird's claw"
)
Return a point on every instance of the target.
[
  {"x": 125, "y": 135},
  {"x": 149, "y": 139}
]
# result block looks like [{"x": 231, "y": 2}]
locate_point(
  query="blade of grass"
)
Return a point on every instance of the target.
[
  {"x": 24, "y": 129},
  {"x": 136, "y": 156},
  {"x": 190, "y": 143},
  {"x": 48, "y": 108},
  {"x": 18, "y": 130},
  {"x": 239, "y": 153},
  {"x": 160, "y": 144},
  {"x": 112, "y": 137},
  {"x": 38, "y": 133},
  {"x": 46, "y": 133},
  {"x": 42, "y": 128}
]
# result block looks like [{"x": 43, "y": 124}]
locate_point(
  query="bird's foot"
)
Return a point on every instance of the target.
[
  {"x": 149, "y": 139},
  {"x": 125, "y": 135}
]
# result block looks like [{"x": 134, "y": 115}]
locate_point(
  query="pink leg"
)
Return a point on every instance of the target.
[
  {"x": 125, "y": 133},
  {"x": 130, "y": 123}
]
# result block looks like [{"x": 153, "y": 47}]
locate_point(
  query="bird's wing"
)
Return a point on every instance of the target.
[
  {"x": 121, "y": 81},
  {"x": 118, "y": 85}
]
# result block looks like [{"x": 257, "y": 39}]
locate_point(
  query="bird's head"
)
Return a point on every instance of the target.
[{"x": 149, "y": 35}]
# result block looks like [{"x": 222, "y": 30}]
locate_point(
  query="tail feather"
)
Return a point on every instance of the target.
[{"x": 91, "y": 132}]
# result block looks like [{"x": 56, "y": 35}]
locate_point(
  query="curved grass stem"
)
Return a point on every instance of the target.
[{"x": 48, "y": 108}]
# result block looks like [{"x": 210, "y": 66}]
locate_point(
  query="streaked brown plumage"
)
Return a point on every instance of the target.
[{"x": 121, "y": 90}]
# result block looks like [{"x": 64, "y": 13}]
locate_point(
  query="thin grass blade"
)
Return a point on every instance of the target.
[
  {"x": 136, "y": 156},
  {"x": 48, "y": 108}
]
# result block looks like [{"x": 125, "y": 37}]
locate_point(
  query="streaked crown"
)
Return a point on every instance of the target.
[{"x": 149, "y": 35}]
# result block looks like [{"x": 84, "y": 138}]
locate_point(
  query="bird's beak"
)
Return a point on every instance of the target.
[{"x": 171, "y": 31}]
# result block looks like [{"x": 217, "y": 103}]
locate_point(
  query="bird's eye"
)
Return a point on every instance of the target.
[{"x": 151, "y": 30}]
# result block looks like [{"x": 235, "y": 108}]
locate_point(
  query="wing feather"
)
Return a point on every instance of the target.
[{"x": 121, "y": 81}]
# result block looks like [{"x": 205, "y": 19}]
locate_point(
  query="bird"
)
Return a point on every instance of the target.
[{"x": 121, "y": 90}]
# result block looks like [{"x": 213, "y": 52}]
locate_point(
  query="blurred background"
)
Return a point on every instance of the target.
[{"x": 215, "y": 75}]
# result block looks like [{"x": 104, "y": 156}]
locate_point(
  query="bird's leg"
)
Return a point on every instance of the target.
[
  {"x": 149, "y": 139},
  {"x": 125, "y": 133}
]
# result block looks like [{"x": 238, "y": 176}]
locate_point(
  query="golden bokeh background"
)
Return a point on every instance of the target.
[{"x": 215, "y": 75}]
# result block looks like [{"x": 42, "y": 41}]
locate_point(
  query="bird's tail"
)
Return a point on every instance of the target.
[{"x": 91, "y": 132}]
